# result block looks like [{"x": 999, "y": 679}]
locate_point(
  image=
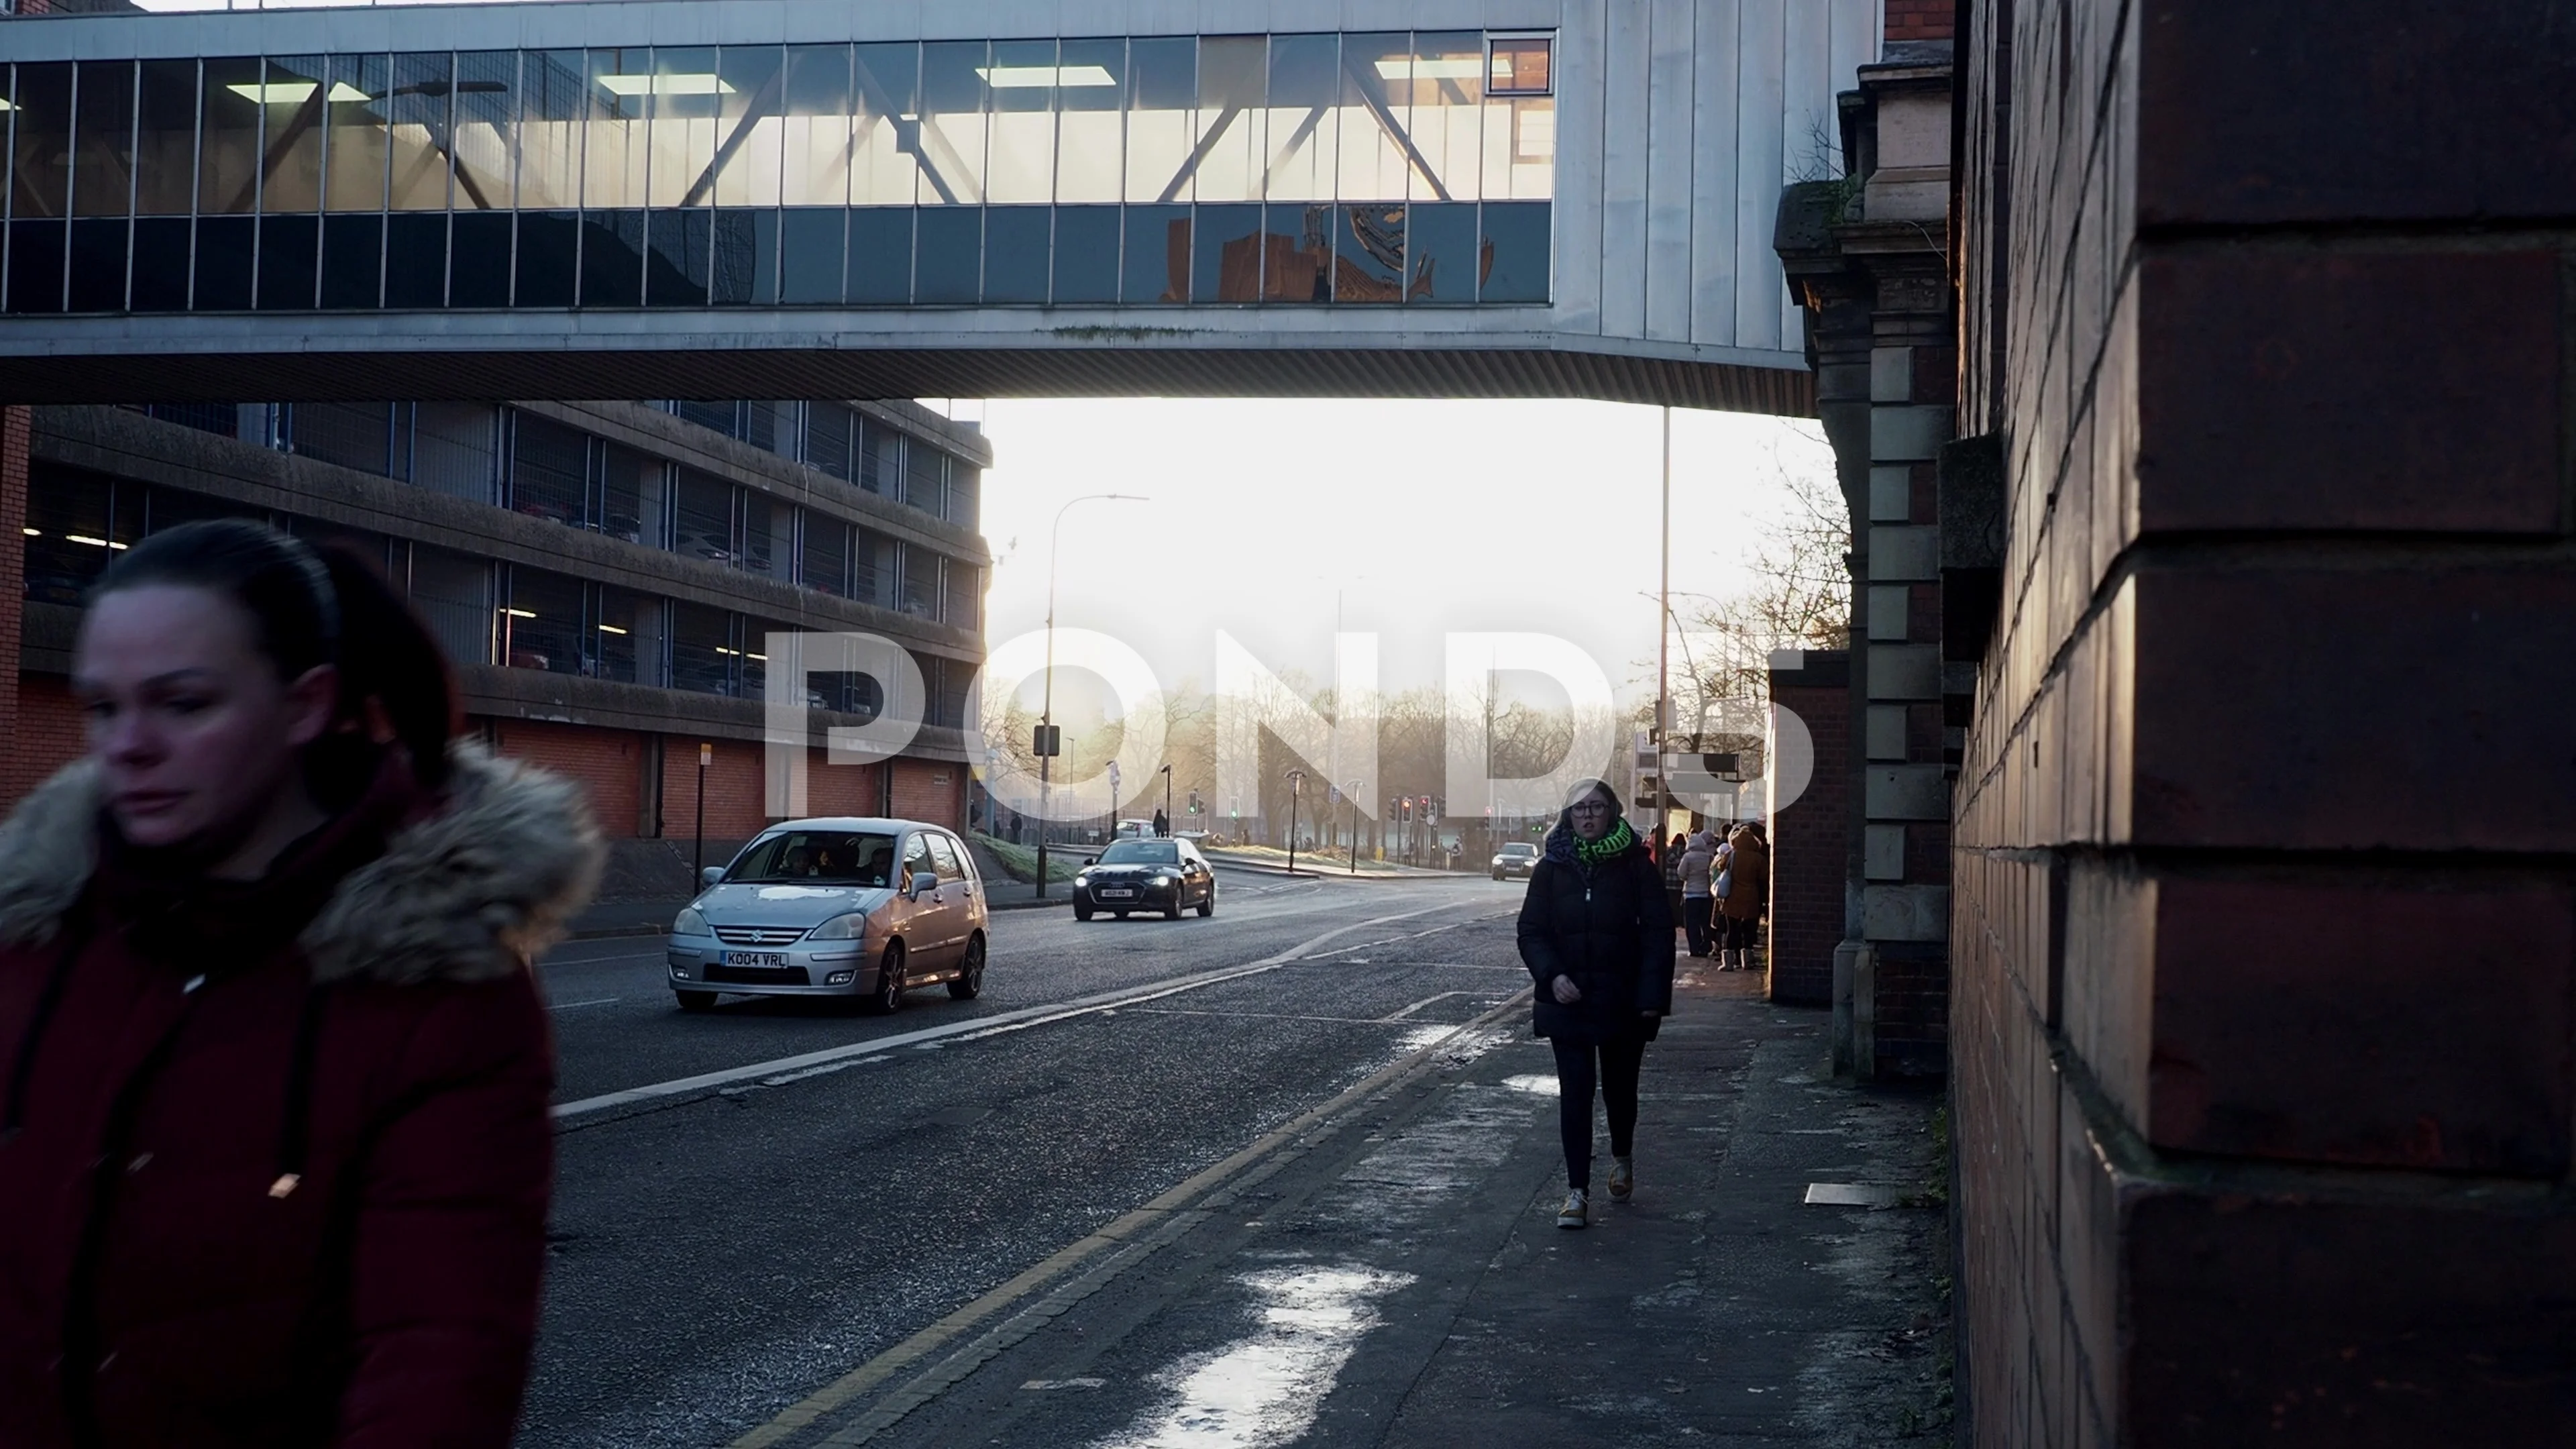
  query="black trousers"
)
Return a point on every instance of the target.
[
  {"x": 1695, "y": 914},
  {"x": 1576, "y": 1081},
  {"x": 1739, "y": 934}
]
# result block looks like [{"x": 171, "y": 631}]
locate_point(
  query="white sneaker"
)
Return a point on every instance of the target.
[
  {"x": 1623, "y": 1178},
  {"x": 1577, "y": 1211}
]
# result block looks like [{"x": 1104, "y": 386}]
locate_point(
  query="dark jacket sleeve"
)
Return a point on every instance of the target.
[
  {"x": 1538, "y": 926},
  {"x": 1655, "y": 969},
  {"x": 450, "y": 1233}
]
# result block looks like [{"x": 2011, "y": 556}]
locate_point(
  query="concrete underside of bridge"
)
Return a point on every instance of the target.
[{"x": 1097, "y": 362}]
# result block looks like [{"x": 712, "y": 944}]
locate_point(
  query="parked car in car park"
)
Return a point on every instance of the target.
[
  {"x": 1516, "y": 858},
  {"x": 852, "y": 909},
  {"x": 1145, "y": 875}
]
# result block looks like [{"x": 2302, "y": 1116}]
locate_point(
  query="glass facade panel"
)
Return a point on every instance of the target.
[
  {"x": 744, "y": 168},
  {"x": 925, "y": 479},
  {"x": 1377, "y": 84},
  {"x": 744, "y": 262},
  {"x": 1086, "y": 255},
  {"x": 632, "y": 493},
  {"x": 950, "y": 245},
  {"x": 885, "y": 144},
  {"x": 76, "y": 523},
  {"x": 353, "y": 260},
  {"x": 1155, "y": 265},
  {"x": 678, "y": 262},
  {"x": 1304, "y": 117},
  {"x": 357, "y": 142},
  {"x": 1091, "y": 98},
  {"x": 964, "y": 591},
  {"x": 702, "y": 517},
  {"x": 416, "y": 256},
  {"x": 1440, "y": 252},
  {"x": 453, "y": 451},
  {"x": 1368, "y": 254},
  {"x": 544, "y": 624},
  {"x": 228, "y": 138},
  {"x": 1016, "y": 243},
  {"x": 453, "y": 593},
  {"x": 1513, "y": 258},
  {"x": 814, "y": 133},
  {"x": 548, "y": 258},
  {"x": 487, "y": 93},
  {"x": 965, "y": 493},
  {"x": 350, "y": 435},
  {"x": 554, "y": 96},
  {"x": 917, "y": 581},
  {"x": 872, "y": 568},
  {"x": 103, "y": 151},
  {"x": 881, "y": 460},
  {"x": 703, "y": 656},
  {"x": 768, "y": 536},
  {"x": 290, "y": 165},
  {"x": 626, "y": 637},
  {"x": 482, "y": 256},
  {"x": 1297, "y": 252},
  {"x": 1021, "y": 83},
  {"x": 99, "y": 247},
  {"x": 225, "y": 248},
  {"x": 40, "y": 173},
  {"x": 682, "y": 105},
  {"x": 1162, "y": 96},
  {"x": 612, "y": 259},
  {"x": 951, "y": 135},
  {"x": 809, "y": 254},
  {"x": 165, "y": 146},
  {"x": 422, "y": 108},
  {"x": 1227, "y": 265},
  {"x": 290, "y": 255},
  {"x": 549, "y": 471},
  {"x": 829, "y": 429},
  {"x": 160, "y": 280},
  {"x": 1227, "y": 149},
  {"x": 614, "y": 155},
  {"x": 825, "y": 565},
  {"x": 880, "y": 255},
  {"x": 1448, "y": 99}
]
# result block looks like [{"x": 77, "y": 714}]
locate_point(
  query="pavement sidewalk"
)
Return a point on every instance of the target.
[{"x": 1388, "y": 1272}]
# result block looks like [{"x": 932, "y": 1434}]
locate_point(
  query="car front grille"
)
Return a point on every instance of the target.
[
  {"x": 760, "y": 975},
  {"x": 760, "y": 935}
]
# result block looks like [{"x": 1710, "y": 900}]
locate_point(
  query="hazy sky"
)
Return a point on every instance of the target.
[{"x": 1413, "y": 519}]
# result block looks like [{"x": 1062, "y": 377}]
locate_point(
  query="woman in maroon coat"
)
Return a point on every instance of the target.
[{"x": 274, "y": 1078}]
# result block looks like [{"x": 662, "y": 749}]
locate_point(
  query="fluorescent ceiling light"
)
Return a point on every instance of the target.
[
  {"x": 610, "y": 629},
  {"x": 291, "y": 93},
  {"x": 693, "y": 84},
  {"x": 85, "y": 538},
  {"x": 1446, "y": 67},
  {"x": 5, "y": 106},
  {"x": 1008, "y": 77},
  {"x": 33, "y": 532},
  {"x": 518, "y": 613}
]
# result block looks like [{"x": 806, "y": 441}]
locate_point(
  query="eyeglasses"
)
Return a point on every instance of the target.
[{"x": 1590, "y": 807}]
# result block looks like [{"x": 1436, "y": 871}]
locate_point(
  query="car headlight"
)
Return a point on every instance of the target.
[
  {"x": 1082, "y": 877},
  {"x": 1165, "y": 877},
  {"x": 841, "y": 928},
  {"x": 689, "y": 923}
]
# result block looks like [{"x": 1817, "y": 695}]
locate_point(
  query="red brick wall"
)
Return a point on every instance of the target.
[
  {"x": 1921, "y": 19},
  {"x": 1810, "y": 847},
  {"x": 49, "y": 733},
  {"x": 13, "y": 589},
  {"x": 608, "y": 764},
  {"x": 932, "y": 790},
  {"x": 844, "y": 789},
  {"x": 736, "y": 809}
]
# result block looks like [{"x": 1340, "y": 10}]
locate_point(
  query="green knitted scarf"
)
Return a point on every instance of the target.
[{"x": 1593, "y": 852}]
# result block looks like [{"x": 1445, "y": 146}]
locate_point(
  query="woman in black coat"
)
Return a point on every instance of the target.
[{"x": 1597, "y": 936}]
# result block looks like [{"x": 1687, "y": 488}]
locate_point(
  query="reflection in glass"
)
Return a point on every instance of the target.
[
  {"x": 1368, "y": 253},
  {"x": 825, "y": 566},
  {"x": 1021, "y": 84},
  {"x": 291, "y": 163},
  {"x": 814, "y": 134},
  {"x": 98, "y": 252},
  {"x": 1377, "y": 80},
  {"x": 1304, "y": 119},
  {"x": 228, "y": 136},
  {"x": 631, "y": 488},
  {"x": 1226, "y": 159},
  {"x": 549, "y": 246},
  {"x": 676, "y": 263},
  {"x": 1228, "y": 262},
  {"x": 946, "y": 252},
  {"x": 614, "y": 157},
  {"x": 356, "y": 140},
  {"x": 1156, "y": 266},
  {"x": 612, "y": 259},
  {"x": 482, "y": 257},
  {"x": 1015, "y": 253},
  {"x": 950, "y": 138},
  {"x": 160, "y": 280},
  {"x": 1162, "y": 89},
  {"x": 487, "y": 89},
  {"x": 1086, "y": 255},
  {"x": 880, "y": 255},
  {"x": 225, "y": 247},
  {"x": 1440, "y": 252},
  {"x": 416, "y": 256},
  {"x": 1520, "y": 149},
  {"x": 41, "y": 141},
  {"x": 1091, "y": 94},
  {"x": 1447, "y": 96},
  {"x": 103, "y": 163},
  {"x": 423, "y": 130},
  {"x": 165, "y": 150},
  {"x": 886, "y": 142},
  {"x": 1513, "y": 259},
  {"x": 353, "y": 260},
  {"x": 744, "y": 263},
  {"x": 809, "y": 254},
  {"x": 749, "y": 126},
  {"x": 290, "y": 252},
  {"x": 554, "y": 96},
  {"x": 1297, "y": 252},
  {"x": 682, "y": 104}
]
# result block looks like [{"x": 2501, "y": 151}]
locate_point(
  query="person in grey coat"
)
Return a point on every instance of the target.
[{"x": 1597, "y": 936}]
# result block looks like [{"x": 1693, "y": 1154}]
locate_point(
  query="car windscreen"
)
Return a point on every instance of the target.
[
  {"x": 1520, "y": 849},
  {"x": 1141, "y": 852},
  {"x": 816, "y": 857}
]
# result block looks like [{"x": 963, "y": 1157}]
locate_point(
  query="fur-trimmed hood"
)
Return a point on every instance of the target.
[{"x": 471, "y": 893}]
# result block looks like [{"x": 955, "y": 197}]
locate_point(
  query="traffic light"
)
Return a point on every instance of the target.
[
  {"x": 1194, "y": 802},
  {"x": 1407, "y": 811}
]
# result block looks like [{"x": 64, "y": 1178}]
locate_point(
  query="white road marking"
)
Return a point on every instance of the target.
[
  {"x": 1417, "y": 1006},
  {"x": 970, "y": 1030},
  {"x": 569, "y": 1005}
]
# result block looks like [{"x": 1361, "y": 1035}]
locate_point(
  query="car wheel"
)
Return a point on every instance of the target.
[
  {"x": 1207, "y": 907},
  {"x": 968, "y": 983},
  {"x": 1498, "y": 875},
  {"x": 696, "y": 1000},
  {"x": 1082, "y": 913},
  {"x": 1172, "y": 912},
  {"x": 888, "y": 998}
]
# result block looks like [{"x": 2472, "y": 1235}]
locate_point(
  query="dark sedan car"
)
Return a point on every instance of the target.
[
  {"x": 1145, "y": 875},
  {"x": 1514, "y": 859}
]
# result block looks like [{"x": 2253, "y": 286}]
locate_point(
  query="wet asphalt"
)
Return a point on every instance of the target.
[{"x": 720, "y": 1255}]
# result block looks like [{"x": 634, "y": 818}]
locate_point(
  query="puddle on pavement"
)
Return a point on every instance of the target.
[
  {"x": 1537, "y": 1084},
  {"x": 1267, "y": 1389}
]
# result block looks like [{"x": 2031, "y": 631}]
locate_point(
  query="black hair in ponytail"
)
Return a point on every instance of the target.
[{"x": 310, "y": 607}]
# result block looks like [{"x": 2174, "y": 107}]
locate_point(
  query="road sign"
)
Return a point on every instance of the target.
[{"x": 1050, "y": 740}]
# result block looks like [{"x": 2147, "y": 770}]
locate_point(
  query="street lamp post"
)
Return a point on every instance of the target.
[
  {"x": 1353, "y": 790},
  {"x": 1296, "y": 787},
  {"x": 1168, "y": 826},
  {"x": 1046, "y": 707}
]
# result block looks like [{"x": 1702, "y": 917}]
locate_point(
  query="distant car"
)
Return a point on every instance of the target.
[
  {"x": 1135, "y": 830},
  {"x": 1515, "y": 859},
  {"x": 1145, "y": 875},
  {"x": 860, "y": 909}
]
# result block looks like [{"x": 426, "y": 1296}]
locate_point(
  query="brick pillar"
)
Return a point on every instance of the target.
[
  {"x": 14, "y": 425},
  {"x": 2265, "y": 931},
  {"x": 1811, "y": 835}
]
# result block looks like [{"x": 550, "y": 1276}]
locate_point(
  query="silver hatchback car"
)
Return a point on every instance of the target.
[{"x": 856, "y": 909}]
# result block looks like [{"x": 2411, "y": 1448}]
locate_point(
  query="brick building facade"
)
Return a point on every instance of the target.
[
  {"x": 602, "y": 574},
  {"x": 1811, "y": 834}
]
